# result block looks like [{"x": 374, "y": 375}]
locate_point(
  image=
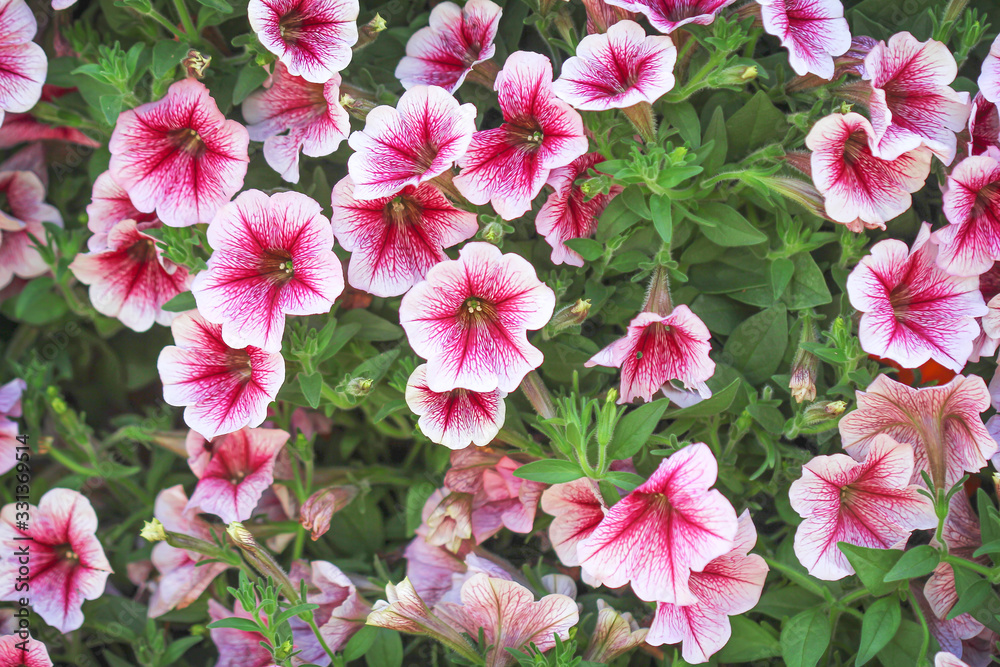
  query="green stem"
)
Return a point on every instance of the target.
[
  {"x": 166, "y": 23},
  {"x": 186, "y": 21},
  {"x": 319, "y": 637},
  {"x": 926, "y": 642},
  {"x": 955, "y": 561}
]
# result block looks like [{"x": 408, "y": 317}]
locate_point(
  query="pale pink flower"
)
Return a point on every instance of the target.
[
  {"x": 272, "y": 256},
  {"x": 21, "y": 216},
  {"x": 222, "y": 388},
  {"x": 342, "y": 611},
  {"x": 729, "y": 585},
  {"x": 953, "y": 636},
  {"x": 410, "y": 144},
  {"x": 403, "y": 610},
  {"x": 237, "y": 648},
  {"x": 989, "y": 78},
  {"x": 813, "y": 31},
  {"x": 319, "y": 508},
  {"x": 109, "y": 205},
  {"x": 984, "y": 126},
  {"x": 853, "y": 181},
  {"x": 395, "y": 240},
  {"x": 23, "y": 64},
  {"x": 578, "y": 508},
  {"x": 457, "y": 39},
  {"x": 470, "y": 317},
  {"x": 912, "y": 310},
  {"x": 455, "y": 418},
  {"x": 508, "y": 165},
  {"x": 970, "y": 244},
  {"x": 961, "y": 534},
  {"x": 433, "y": 567},
  {"x": 67, "y": 565},
  {"x": 10, "y": 406},
  {"x": 943, "y": 659},
  {"x": 312, "y": 38},
  {"x": 617, "y": 69},
  {"x": 669, "y": 15},
  {"x": 12, "y": 655},
  {"x": 615, "y": 634},
  {"x": 449, "y": 524},
  {"x": 658, "y": 350},
  {"x": 293, "y": 115},
  {"x": 669, "y": 526}
]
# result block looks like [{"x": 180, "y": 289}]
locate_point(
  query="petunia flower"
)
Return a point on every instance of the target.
[
  {"x": 312, "y": 38},
  {"x": 233, "y": 470},
  {"x": 945, "y": 659},
  {"x": 20, "y": 128},
  {"x": 729, "y": 585},
  {"x": 617, "y": 69},
  {"x": 984, "y": 126},
  {"x": 669, "y": 526},
  {"x": 952, "y": 635},
  {"x": 22, "y": 212},
  {"x": 222, "y": 388},
  {"x": 395, "y": 240},
  {"x": 912, "y": 102},
  {"x": 272, "y": 256},
  {"x": 470, "y": 317},
  {"x": 615, "y": 634},
  {"x": 813, "y": 31},
  {"x": 455, "y": 418},
  {"x": 447, "y": 50},
  {"x": 12, "y": 653},
  {"x": 433, "y": 567},
  {"x": 67, "y": 565},
  {"x": 508, "y": 165},
  {"x": 293, "y": 115},
  {"x": 23, "y": 64},
  {"x": 109, "y": 205},
  {"x": 867, "y": 503},
  {"x": 449, "y": 524},
  {"x": 237, "y": 648},
  {"x": 578, "y": 508},
  {"x": 970, "y": 244},
  {"x": 989, "y": 77},
  {"x": 669, "y": 15},
  {"x": 410, "y": 144},
  {"x": 318, "y": 509},
  {"x": 853, "y": 181},
  {"x": 179, "y": 156},
  {"x": 341, "y": 613},
  {"x": 961, "y": 535},
  {"x": 10, "y": 407}
]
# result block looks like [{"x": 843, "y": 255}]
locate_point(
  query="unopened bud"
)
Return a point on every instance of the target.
[
  {"x": 805, "y": 366},
  {"x": 736, "y": 75},
  {"x": 538, "y": 395},
  {"x": 195, "y": 64},
  {"x": 608, "y": 418},
  {"x": 369, "y": 32},
  {"x": 357, "y": 107},
  {"x": 567, "y": 317},
  {"x": 320, "y": 507},
  {"x": 359, "y": 387},
  {"x": 596, "y": 185},
  {"x": 642, "y": 119},
  {"x": 260, "y": 559},
  {"x": 152, "y": 531},
  {"x": 493, "y": 233},
  {"x": 822, "y": 411},
  {"x": 284, "y": 651}
]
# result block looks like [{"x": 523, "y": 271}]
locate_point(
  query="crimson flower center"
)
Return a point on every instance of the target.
[
  {"x": 291, "y": 26},
  {"x": 530, "y": 135},
  {"x": 142, "y": 251},
  {"x": 64, "y": 552},
  {"x": 475, "y": 311},
  {"x": 985, "y": 199},
  {"x": 238, "y": 361},
  {"x": 855, "y": 147},
  {"x": 187, "y": 140},
  {"x": 400, "y": 210},
  {"x": 277, "y": 265},
  {"x": 899, "y": 299}
]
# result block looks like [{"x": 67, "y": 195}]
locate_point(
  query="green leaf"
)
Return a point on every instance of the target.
[
  {"x": 249, "y": 79},
  {"x": 39, "y": 302},
  {"x": 388, "y": 408},
  {"x": 879, "y": 626},
  {"x": 904, "y": 648},
  {"x": 312, "y": 387},
  {"x": 871, "y": 566},
  {"x": 782, "y": 270},
  {"x": 716, "y": 132},
  {"x": 757, "y": 346},
  {"x": 808, "y": 288},
  {"x": 988, "y": 548},
  {"x": 386, "y": 650},
  {"x": 634, "y": 429},
  {"x": 917, "y": 562},
  {"x": 725, "y": 226},
  {"x": 218, "y": 5},
  {"x": 759, "y": 122},
  {"x": 804, "y": 638},
  {"x": 989, "y": 524},
  {"x": 750, "y": 641},
  {"x": 359, "y": 644},
  {"x": 178, "y": 647},
  {"x": 111, "y": 106},
  {"x": 626, "y": 480},
  {"x": 180, "y": 303},
  {"x": 373, "y": 327},
  {"x": 717, "y": 404},
  {"x": 971, "y": 598},
  {"x": 663, "y": 217},
  {"x": 233, "y": 623},
  {"x": 589, "y": 249},
  {"x": 617, "y": 217},
  {"x": 549, "y": 471},
  {"x": 167, "y": 54},
  {"x": 684, "y": 117}
]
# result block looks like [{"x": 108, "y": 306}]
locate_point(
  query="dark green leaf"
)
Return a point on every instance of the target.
[
  {"x": 178, "y": 647},
  {"x": 626, "y": 480},
  {"x": 359, "y": 644},
  {"x": 871, "y": 566},
  {"x": 879, "y": 626},
  {"x": 757, "y": 346},
  {"x": 725, "y": 226},
  {"x": 904, "y": 648},
  {"x": 971, "y": 599},
  {"x": 220, "y": 6},
  {"x": 180, "y": 303},
  {"x": 782, "y": 270},
  {"x": 684, "y": 117},
  {"x": 312, "y": 388},
  {"x": 716, "y": 405},
  {"x": 167, "y": 54},
  {"x": 750, "y": 641},
  {"x": 634, "y": 429},
  {"x": 663, "y": 218},
  {"x": 589, "y": 249},
  {"x": 917, "y": 562},
  {"x": 759, "y": 122},
  {"x": 804, "y": 638},
  {"x": 716, "y": 132},
  {"x": 233, "y": 623},
  {"x": 549, "y": 471},
  {"x": 249, "y": 79},
  {"x": 808, "y": 288},
  {"x": 386, "y": 650}
]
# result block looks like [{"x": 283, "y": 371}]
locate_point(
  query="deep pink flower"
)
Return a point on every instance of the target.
[
  {"x": 508, "y": 165},
  {"x": 668, "y": 527},
  {"x": 455, "y": 418},
  {"x": 867, "y": 503},
  {"x": 19, "y": 128},
  {"x": 984, "y": 126},
  {"x": 617, "y": 69},
  {"x": 578, "y": 508},
  {"x": 109, "y": 205},
  {"x": 292, "y": 115},
  {"x": 669, "y": 15},
  {"x": 342, "y": 611},
  {"x": 419, "y": 139},
  {"x": 658, "y": 350},
  {"x": 457, "y": 39},
  {"x": 912, "y": 310},
  {"x": 237, "y": 648},
  {"x": 23, "y": 64},
  {"x": 395, "y": 240},
  {"x": 10, "y": 406},
  {"x": 11, "y": 655},
  {"x": 222, "y": 389},
  {"x": 271, "y": 257},
  {"x": 568, "y": 213},
  {"x": 729, "y": 585},
  {"x": 312, "y": 38},
  {"x": 470, "y": 317},
  {"x": 912, "y": 103},
  {"x": 179, "y": 156},
  {"x": 813, "y": 31},
  {"x": 970, "y": 244},
  {"x": 989, "y": 78},
  {"x": 21, "y": 217},
  {"x": 67, "y": 564},
  {"x": 856, "y": 184}
]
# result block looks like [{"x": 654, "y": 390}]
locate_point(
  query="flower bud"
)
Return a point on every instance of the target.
[
  {"x": 195, "y": 64},
  {"x": 493, "y": 233},
  {"x": 260, "y": 559},
  {"x": 359, "y": 387},
  {"x": 569, "y": 316},
  {"x": 607, "y": 419},
  {"x": 451, "y": 522},
  {"x": 802, "y": 382},
  {"x": 284, "y": 651},
  {"x": 737, "y": 75},
  {"x": 152, "y": 531},
  {"x": 642, "y": 118},
  {"x": 538, "y": 395},
  {"x": 358, "y": 107},
  {"x": 822, "y": 411},
  {"x": 320, "y": 507},
  {"x": 369, "y": 32}
]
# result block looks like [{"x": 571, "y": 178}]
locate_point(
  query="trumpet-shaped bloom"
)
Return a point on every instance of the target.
[
  {"x": 578, "y": 508},
  {"x": 67, "y": 564},
  {"x": 984, "y": 126},
  {"x": 617, "y": 69},
  {"x": 853, "y": 181},
  {"x": 729, "y": 585},
  {"x": 508, "y": 165},
  {"x": 403, "y": 610},
  {"x": 989, "y": 77},
  {"x": 615, "y": 634},
  {"x": 222, "y": 388},
  {"x": 457, "y": 39},
  {"x": 237, "y": 648},
  {"x": 12, "y": 655},
  {"x": 455, "y": 418},
  {"x": 21, "y": 216},
  {"x": 911, "y": 101},
  {"x": 914, "y": 311},
  {"x": 312, "y": 38},
  {"x": 867, "y": 503},
  {"x": 470, "y": 317},
  {"x": 669, "y": 15},
  {"x": 293, "y": 115},
  {"x": 109, "y": 205},
  {"x": 342, "y": 611},
  {"x": 671, "y": 525},
  {"x": 23, "y": 64},
  {"x": 179, "y": 156},
  {"x": 813, "y": 31},
  {"x": 419, "y": 139},
  {"x": 658, "y": 349},
  {"x": 272, "y": 256},
  {"x": 970, "y": 244},
  {"x": 395, "y": 240}
]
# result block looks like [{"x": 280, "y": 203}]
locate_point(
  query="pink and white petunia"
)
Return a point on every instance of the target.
[
  {"x": 912, "y": 310},
  {"x": 578, "y": 508},
  {"x": 989, "y": 78},
  {"x": 867, "y": 503},
  {"x": 669, "y": 526},
  {"x": 813, "y": 31},
  {"x": 272, "y": 256},
  {"x": 10, "y": 406},
  {"x": 455, "y": 418},
  {"x": 984, "y": 126},
  {"x": 23, "y": 64},
  {"x": 21, "y": 216},
  {"x": 312, "y": 38},
  {"x": 342, "y": 611},
  {"x": 912, "y": 102},
  {"x": 237, "y": 648},
  {"x": 508, "y": 165},
  {"x": 221, "y": 388},
  {"x": 615, "y": 634},
  {"x": 617, "y": 69},
  {"x": 395, "y": 240},
  {"x": 943, "y": 424},
  {"x": 410, "y": 144},
  {"x": 853, "y": 181},
  {"x": 403, "y": 610},
  {"x": 446, "y": 51},
  {"x": 470, "y": 317},
  {"x": 12, "y": 653},
  {"x": 109, "y": 205},
  {"x": 67, "y": 564},
  {"x": 970, "y": 243},
  {"x": 293, "y": 115},
  {"x": 658, "y": 350},
  {"x": 729, "y": 585},
  {"x": 669, "y": 15},
  {"x": 233, "y": 470}
]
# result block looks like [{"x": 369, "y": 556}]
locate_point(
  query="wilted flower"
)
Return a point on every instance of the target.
[
  {"x": 455, "y": 418},
  {"x": 813, "y": 31},
  {"x": 319, "y": 508},
  {"x": 615, "y": 634}
]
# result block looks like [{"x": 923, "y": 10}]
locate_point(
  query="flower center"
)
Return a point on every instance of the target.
[
  {"x": 64, "y": 552},
  {"x": 142, "y": 251},
  {"x": 986, "y": 199},
  {"x": 855, "y": 147},
  {"x": 238, "y": 362},
  {"x": 529, "y": 135},
  {"x": 476, "y": 311},
  {"x": 400, "y": 211},
  {"x": 291, "y": 26},
  {"x": 899, "y": 299},
  {"x": 277, "y": 265},
  {"x": 187, "y": 140}
]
